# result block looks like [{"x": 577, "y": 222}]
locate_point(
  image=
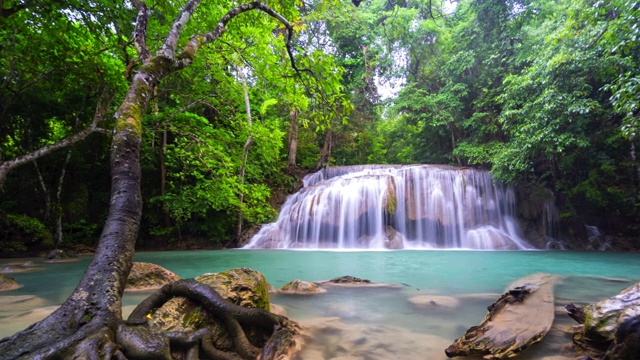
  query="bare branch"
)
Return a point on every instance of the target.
[
  {"x": 101, "y": 109},
  {"x": 169, "y": 47},
  {"x": 140, "y": 32}
]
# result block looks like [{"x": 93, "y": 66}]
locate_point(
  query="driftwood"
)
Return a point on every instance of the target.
[{"x": 520, "y": 317}]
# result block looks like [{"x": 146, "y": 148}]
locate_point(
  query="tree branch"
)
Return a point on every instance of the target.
[
  {"x": 101, "y": 109},
  {"x": 140, "y": 32},
  {"x": 169, "y": 47},
  {"x": 196, "y": 42}
]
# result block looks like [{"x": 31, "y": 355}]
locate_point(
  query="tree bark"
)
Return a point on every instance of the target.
[
  {"x": 293, "y": 138},
  {"x": 245, "y": 150},
  {"x": 89, "y": 324},
  {"x": 325, "y": 153}
]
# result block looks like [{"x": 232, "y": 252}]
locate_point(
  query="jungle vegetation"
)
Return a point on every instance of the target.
[{"x": 541, "y": 93}]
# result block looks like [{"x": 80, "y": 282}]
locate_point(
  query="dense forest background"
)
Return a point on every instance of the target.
[{"x": 544, "y": 94}]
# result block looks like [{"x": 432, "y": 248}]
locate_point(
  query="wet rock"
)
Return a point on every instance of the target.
[
  {"x": 626, "y": 344},
  {"x": 59, "y": 255},
  {"x": 348, "y": 279},
  {"x": 434, "y": 302},
  {"x": 602, "y": 320},
  {"x": 7, "y": 283},
  {"x": 15, "y": 268},
  {"x": 147, "y": 276},
  {"x": 394, "y": 239},
  {"x": 302, "y": 287},
  {"x": 241, "y": 286}
]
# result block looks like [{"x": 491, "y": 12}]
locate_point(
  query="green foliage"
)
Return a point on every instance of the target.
[{"x": 21, "y": 232}]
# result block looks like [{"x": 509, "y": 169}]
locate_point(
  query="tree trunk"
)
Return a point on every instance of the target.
[
  {"x": 88, "y": 325},
  {"x": 57, "y": 213},
  {"x": 245, "y": 150},
  {"x": 325, "y": 153},
  {"x": 293, "y": 138},
  {"x": 96, "y": 302}
]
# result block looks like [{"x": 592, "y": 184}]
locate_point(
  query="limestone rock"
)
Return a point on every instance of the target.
[
  {"x": 604, "y": 317},
  {"x": 147, "y": 276},
  {"x": 394, "y": 239},
  {"x": 302, "y": 287},
  {"x": 348, "y": 279},
  {"x": 241, "y": 286},
  {"x": 19, "y": 266},
  {"x": 602, "y": 321},
  {"x": 434, "y": 302},
  {"x": 7, "y": 283}
]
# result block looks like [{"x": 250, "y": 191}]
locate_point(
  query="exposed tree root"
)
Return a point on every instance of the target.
[{"x": 104, "y": 339}]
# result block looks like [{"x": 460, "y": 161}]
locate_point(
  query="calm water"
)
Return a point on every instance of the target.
[{"x": 368, "y": 318}]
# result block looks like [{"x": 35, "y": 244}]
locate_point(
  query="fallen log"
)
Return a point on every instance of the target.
[{"x": 520, "y": 318}]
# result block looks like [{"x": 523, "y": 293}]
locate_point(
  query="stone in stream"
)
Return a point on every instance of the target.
[
  {"x": 610, "y": 326},
  {"x": 519, "y": 318}
]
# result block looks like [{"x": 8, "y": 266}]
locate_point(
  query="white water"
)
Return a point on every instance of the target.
[{"x": 387, "y": 206}]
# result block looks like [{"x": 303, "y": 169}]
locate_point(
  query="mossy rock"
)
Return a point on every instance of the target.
[
  {"x": 8, "y": 283},
  {"x": 146, "y": 276},
  {"x": 241, "y": 286},
  {"x": 348, "y": 279},
  {"x": 604, "y": 317},
  {"x": 301, "y": 287}
]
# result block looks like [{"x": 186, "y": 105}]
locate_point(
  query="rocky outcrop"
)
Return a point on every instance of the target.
[
  {"x": 301, "y": 287},
  {"x": 608, "y": 323},
  {"x": 7, "y": 283},
  {"x": 394, "y": 239},
  {"x": 147, "y": 276}
]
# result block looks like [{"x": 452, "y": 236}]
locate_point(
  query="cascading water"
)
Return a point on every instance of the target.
[{"x": 394, "y": 207}]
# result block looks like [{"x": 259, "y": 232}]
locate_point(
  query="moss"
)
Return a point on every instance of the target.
[{"x": 194, "y": 319}]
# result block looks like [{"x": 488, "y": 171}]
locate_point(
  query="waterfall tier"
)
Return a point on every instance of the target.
[{"x": 395, "y": 207}]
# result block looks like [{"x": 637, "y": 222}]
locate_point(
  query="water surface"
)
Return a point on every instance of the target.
[{"x": 373, "y": 323}]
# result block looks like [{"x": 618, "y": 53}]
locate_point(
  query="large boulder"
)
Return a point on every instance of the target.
[
  {"x": 241, "y": 286},
  {"x": 601, "y": 320},
  {"x": 147, "y": 276}
]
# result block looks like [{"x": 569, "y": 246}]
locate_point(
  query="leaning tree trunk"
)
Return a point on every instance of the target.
[
  {"x": 95, "y": 305},
  {"x": 88, "y": 325}
]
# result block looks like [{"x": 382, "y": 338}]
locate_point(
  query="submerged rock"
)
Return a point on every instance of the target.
[
  {"x": 8, "y": 283},
  {"x": 348, "y": 279},
  {"x": 434, "y": 302},
  {"x": 302, "y": 287},
  {"x": 147, "y": 276}
]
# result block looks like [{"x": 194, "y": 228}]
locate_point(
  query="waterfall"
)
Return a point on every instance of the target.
[{"x": 394, "y": 207}]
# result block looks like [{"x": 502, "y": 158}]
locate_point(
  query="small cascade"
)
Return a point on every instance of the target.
[
  {"x": 395, "y": 207},
  {"x": 596, "y": 240}
]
